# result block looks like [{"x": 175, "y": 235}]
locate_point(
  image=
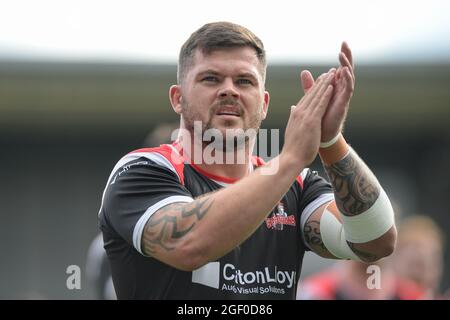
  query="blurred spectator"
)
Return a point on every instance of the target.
[
  {"x": 161, "y": 134},
  {"x": 419, "y": 253},
  {"x": 98, "y": 271}
]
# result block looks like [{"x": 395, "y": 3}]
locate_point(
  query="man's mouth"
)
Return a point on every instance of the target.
[{"x": 229, "y": 111}]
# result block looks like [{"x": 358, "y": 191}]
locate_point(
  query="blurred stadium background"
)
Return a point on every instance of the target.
[{"x": 64, "y": 125}]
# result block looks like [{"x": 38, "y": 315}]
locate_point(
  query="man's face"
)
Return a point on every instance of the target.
[
  {"x": 224, "y": 90},
  {"x": 420, "y": 260}
]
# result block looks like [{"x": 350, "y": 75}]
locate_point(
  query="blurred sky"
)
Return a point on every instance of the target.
[{"x": 292, "y": 31}]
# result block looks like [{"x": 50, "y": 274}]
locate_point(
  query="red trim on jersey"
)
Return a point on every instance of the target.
[
  {"x": 213, "y": 176},
  {"x": 299, "y": 180},
  {"x": 256, "y": 161},
  {"x": 167, "y": 152}
]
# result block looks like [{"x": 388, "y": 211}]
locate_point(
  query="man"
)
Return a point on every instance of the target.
[
  {"x": 177, "y": 225},
  {"x": 98, "y": 270},
  {"x": 420, "y": 254}
]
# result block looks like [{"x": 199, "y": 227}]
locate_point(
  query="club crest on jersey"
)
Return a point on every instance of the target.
[{"x": 280, "y": 218}]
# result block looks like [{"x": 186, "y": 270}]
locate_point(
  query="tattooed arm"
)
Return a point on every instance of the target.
[
  {"x": 188, "y": 235},
  {"x": 356, "y": 189},
  {"x": 166, "y": 230}
]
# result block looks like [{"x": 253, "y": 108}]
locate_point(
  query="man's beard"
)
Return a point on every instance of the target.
[{"x": 233, "y": 139}]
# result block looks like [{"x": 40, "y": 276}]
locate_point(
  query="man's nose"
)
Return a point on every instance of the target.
[{"x": 228, "y": 89}]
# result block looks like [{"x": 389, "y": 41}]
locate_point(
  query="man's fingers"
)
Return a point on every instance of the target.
[
  {"x": 314, "y": 91},
  {"x": 348, "y": 53},
  {"x": 307, "y": 80},
  {"x": 350, "y": 80},
  {"x": 344, "y": 60},
  {"x": 324, "y": 100},
  {"x": 318, "y": 93},
  {"x": 346, "y": 63},
  {"x": 345, "y": 88},
  {"x": 311, "y": 98},
  {"x": 338, "y": 74},
  {"x": 328, "y": 80},
  {"x": 305, "y": 101}
]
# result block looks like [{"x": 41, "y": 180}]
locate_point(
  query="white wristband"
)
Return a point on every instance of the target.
[{"x": 331, "y": 142}]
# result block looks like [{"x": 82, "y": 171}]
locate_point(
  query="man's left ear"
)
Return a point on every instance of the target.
[{"x": 266, "y": 104}]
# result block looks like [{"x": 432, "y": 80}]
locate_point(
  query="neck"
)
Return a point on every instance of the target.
[{"x": 231, "y": 164}]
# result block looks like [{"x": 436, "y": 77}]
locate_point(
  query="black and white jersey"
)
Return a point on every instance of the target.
[{"x": 265, "y": 266}]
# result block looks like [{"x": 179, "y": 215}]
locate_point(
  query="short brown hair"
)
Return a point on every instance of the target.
[
  {"x": 420, "y": 225},
  {"x": 219, "y": 35}
]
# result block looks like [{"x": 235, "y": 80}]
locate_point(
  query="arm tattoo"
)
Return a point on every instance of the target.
[
  {"x": 171, "y": 223},
  {"x": 312, "y": 235},
  {"x": 355, "y": 187}
]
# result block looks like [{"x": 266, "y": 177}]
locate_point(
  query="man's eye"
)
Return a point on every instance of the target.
[
  {"x": 244, "y": 81},
  {"x": 210, "y": 79}
]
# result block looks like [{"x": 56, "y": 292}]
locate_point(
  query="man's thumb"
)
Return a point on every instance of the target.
[{"x": 307, "y": 80}]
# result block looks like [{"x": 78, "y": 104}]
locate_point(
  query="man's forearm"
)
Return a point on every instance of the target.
[
  {"x": 355, "y": 187},
  {"x": 214, "y": 224},
  {"x": 356, "y": 191}
]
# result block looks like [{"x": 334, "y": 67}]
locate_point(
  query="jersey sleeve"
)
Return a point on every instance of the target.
[
  {"x": 135, "y": 192},
  {"x": 316, "y": 191}
]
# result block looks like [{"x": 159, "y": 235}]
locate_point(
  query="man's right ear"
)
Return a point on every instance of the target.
[{"x": 175, "y": 98}]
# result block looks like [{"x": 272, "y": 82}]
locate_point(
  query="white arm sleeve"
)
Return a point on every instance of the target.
[
  {"x": 333, "y": 237},
  {"x": 365, "y": 227}
]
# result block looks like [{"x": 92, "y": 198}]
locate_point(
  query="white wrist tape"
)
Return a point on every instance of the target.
[
  {"x": 331, "y": 142},
  {"x": 333, "y": 237},
  {"x": 371, "y": 224}
]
